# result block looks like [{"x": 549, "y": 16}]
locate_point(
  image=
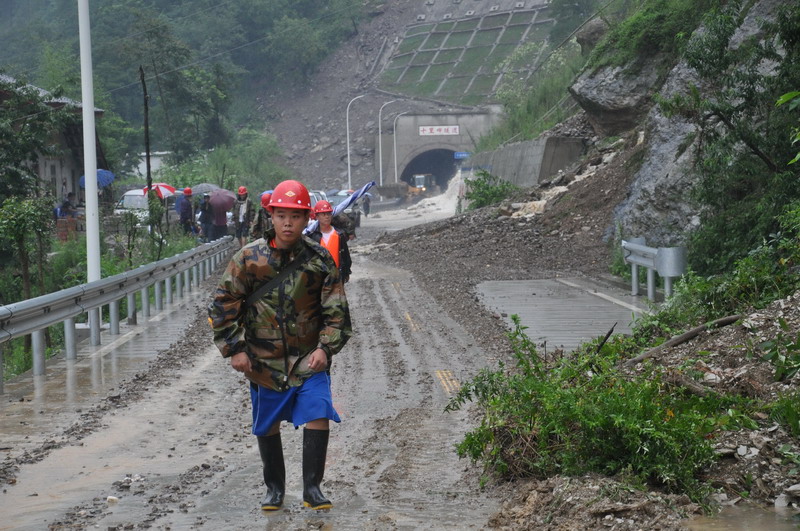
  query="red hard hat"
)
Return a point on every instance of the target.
[
  {"x": 187, "y": 191},
  {"x": 242, "y": 190},
  {"x": 290, "y": 194},
  {"x": 322, "y": 207},
  {"x": 265, "y": 200}
]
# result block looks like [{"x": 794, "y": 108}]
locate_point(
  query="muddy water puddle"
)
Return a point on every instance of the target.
[{"x": 748, "y": 518}]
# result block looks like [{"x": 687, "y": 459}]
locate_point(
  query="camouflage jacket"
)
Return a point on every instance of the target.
[
  {"x": 307, "y": 310},
  {"x": 261, "y": 224}
]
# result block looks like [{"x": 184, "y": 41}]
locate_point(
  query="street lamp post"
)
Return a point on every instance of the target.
[
  {"x": 394, "y": 137},
  {"x": 347, "y": 125},
  {"x": 380, "y": 142}
]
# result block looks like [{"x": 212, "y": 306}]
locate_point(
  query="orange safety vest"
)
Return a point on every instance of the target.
[{"x": 332, "y": 246}]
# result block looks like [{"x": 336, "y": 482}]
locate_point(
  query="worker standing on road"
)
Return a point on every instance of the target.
[
  {"x": 334, "y": 240},
  {"x": 280, "y": 314},
  {"x": 262, "y": 222},
  {"x": 242, "y": 216}
]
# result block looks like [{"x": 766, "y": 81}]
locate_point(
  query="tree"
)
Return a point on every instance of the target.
[
  {"x": 26, "y": 223},
  {"x": 27, "y": 126}
]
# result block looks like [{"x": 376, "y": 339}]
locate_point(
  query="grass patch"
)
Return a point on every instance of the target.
[
  {"x": 410, "y": 44},
  {"x": 447, "y": 56},
  {"x": 458, "y": 39},
  {"x": 472, "y": 60},
  {"x": 486, "y": 37},
  {"x": 423, "y": 58},
  {"x": 468, "y": 24},
  {"x": 420, "y": 30},
  {"x": 400, "y": 61},
  {"x": 445, "y": 26},
  {"x": 513, "y": 34},
  {"x": 412, "y": 75},
  {"x": 521, "y": 18},
  {"x": 498, "y": 57},
  {"x": 434, "y": 41},
  {"x": 494, "y": 21},
  {"x": 454, "y": 87},
  {"x": 483, "y": 84},
  {"x": 438, "y": 71},
  {"x": 424, "y": 88}
]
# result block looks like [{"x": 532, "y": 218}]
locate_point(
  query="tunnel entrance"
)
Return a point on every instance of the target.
[{"x": 440, "y": 163}]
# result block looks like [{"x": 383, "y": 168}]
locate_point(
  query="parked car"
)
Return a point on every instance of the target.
[{"x": 133, "y": 201}]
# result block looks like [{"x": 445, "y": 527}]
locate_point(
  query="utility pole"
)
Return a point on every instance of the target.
[{"x": 89, "y": 162}]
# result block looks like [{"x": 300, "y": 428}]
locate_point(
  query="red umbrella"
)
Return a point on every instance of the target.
[
  {"x": 162, "y": 190},
  {"x": 221, "y": 198}
]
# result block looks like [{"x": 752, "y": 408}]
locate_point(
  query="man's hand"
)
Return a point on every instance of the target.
[
  {"x": 318, "y": 360},
  {"x": 241, "y": 362}
]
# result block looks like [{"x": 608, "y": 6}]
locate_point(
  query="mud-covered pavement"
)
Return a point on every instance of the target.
[{"x": 171, "y": 448}]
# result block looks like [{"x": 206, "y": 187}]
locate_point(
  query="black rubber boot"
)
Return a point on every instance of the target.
[
  {"x": 315, "y": 449},
  {"x": 271, "y": 450}
]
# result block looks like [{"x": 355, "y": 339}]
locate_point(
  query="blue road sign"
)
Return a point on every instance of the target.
[{"x": 461, "y": 154}]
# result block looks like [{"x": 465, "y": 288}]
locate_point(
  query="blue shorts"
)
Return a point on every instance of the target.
[{"x": 298, "y": 405}]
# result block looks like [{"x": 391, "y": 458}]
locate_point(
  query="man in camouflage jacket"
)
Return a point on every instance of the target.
[{"x": 284, "y": 342}]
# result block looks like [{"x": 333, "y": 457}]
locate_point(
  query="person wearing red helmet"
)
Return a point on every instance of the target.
[
  {"x": 333, "y": 239},
  {"x": 186, "y": 218},
  {"x": 242, "y": 216},
  {"x": 279, "y": 314},
  {"x": 263, "y": 221}
]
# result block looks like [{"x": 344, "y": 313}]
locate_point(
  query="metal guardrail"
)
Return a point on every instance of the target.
[
  {"x": 32, "y": 316},
  {"x": 668, "y": 262}
]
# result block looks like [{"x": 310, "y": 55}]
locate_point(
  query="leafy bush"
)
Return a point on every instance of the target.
[
  {"x": 655, "y": 28},
  {"x": 785, "y": 411},
  {"x": 487, "y": 189},
  {"x": 579, "y": 414}
]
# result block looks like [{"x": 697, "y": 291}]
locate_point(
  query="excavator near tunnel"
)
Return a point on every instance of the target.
[{"x": 423, "y": 185}]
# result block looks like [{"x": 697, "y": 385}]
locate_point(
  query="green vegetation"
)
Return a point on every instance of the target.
[
  {"x": 654, "y": 28},
  {"x": 744, "y": 141},
  {"x": 487, "y": 189},
  {"x": 577, "y": 414},
  {"x": 199, "y": 58},
  {"x": 534, "y": 105}
]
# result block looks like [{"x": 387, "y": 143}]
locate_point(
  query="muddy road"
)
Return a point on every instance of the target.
[{"x": 171, "y": 447}]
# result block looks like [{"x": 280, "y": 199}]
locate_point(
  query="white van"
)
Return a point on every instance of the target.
[{"x": 135, "y": 202}]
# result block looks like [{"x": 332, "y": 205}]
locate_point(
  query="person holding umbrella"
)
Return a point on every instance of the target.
[
  {"x": 242, "y": 216},
  {"x": 279, "y": 314},
  {"x": 221, "y": 201}
]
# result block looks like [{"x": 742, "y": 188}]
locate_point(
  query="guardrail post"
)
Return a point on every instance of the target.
[
  {"x": 204, "y": 269},
  {"x": 145, "y": 293},
  {"x": 196, "y": 271},
  {"x": 94, "y": 326},
  {"x": 179, "y": 285},
  {"x": 113, "y": 317},
  {"x": 2, "y": 364},
  {"x": 37, "y": 342},
  {"x": 131, "y": 308},
  {"x": 168, "y": 289},
  {"x": 187, "y": 280},
  {"x": 70, "y": 344},
  {"x": 157, "y": 289},
  {"x": 651, "y": 284}
]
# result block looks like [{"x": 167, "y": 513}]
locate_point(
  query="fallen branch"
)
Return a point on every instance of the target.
[
  {"x": 676, "y": 378},
  {"x": 683, "y": 338}
]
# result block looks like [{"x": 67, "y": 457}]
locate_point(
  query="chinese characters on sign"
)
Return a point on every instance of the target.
[{"x": 427, "y": 130}]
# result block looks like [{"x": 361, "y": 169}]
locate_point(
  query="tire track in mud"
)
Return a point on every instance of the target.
[{"x": 405, "y": 471}]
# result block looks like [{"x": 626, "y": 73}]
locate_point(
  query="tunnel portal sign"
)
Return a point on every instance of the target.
[
  {"x": 430, "y": 130},
  {"x": 461, "y": 154}
]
